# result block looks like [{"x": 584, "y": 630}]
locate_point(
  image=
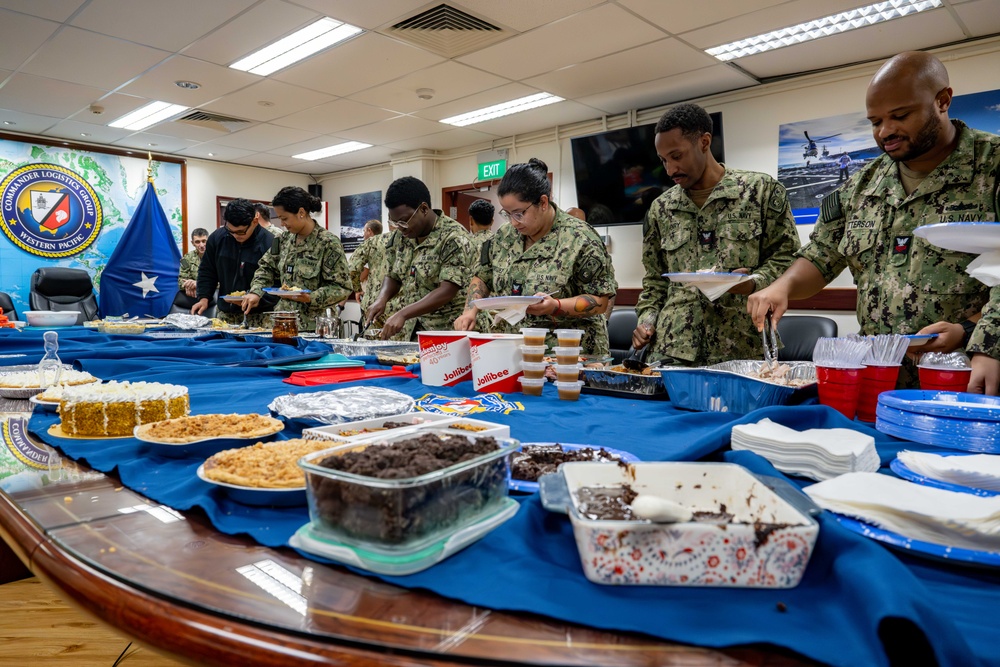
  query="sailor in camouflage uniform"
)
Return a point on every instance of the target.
[
  {"x": 431, "y": 258},
  {"x": 371, "y": 255},
  {"x": 714, "y": 219},
  {"x": 307, "y": 257},
  {"x": 187, "y": 277},
  {"x": 935, "y": 170},
  {"x": 481, "y": 230},
  {"x": 544, "y": 251}
]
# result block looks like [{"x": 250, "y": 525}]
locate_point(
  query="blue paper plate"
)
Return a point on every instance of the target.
[
  {"x": 964, "y": 443},
  {"x": 959, "y": 405},
  {"x": 900, "y": 469},
  {"x": 960, "y": 428},
  {"x": 277, "y": 291},
  {"x": 329, "y": 361},
  {"x": 939, "y": 552},
  {"x": 532, "y": 487},
  {"x": 918, "y": 340}
]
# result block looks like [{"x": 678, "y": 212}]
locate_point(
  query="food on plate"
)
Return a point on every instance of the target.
[
  {"x": 198, "y": 427},
  {"x": 779, "y": 375},
  {"x": 398, "y": 359},
  {"x": 265, "y": 465},
  {"x": 645, "y": 371},
  {"x": 116, "y": 408},
  {"x": 121, "y": 327},
  {"x": 239, "y": 293},
  {"x": 290, "y": 288},
  {"x": 34, "y": 380},
  {"x": 533, "y": 461}
]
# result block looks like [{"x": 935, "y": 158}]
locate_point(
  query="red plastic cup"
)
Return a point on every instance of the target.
[
  {"x": 840, "y": 388},
  {"x": 944, "y": 379},
  {"x": 875, "y": 380}
]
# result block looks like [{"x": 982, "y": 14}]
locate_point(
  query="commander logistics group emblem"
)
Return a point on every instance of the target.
[{"x": 49, "y": 210}]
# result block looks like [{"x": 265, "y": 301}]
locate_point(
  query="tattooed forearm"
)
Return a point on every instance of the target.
[
  {"x": 477, "y": 290},
  {"x": 587, "y": 305}
]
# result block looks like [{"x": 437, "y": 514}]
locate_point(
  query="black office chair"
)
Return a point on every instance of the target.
[
  {"x": 183, "y": 304},
  {"x": 799, "y": 334},
  {"x": 621, "y": 324},
  {"x": 62, "y": 289},
  {"x": 8, "y": 306}
]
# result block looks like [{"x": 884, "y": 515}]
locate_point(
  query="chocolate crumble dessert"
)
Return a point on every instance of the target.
[{"x": 533, "y": 461}]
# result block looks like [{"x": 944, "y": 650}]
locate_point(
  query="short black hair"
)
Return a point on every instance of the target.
[
  {"x": 199, "y": 231},
  {"x": 239, "y": 213},
  {"x": 692, "y": 120},
  {"x": 408, "y": 191},
  {"x": 292, "y": 198},
  {"x": 481, "y": 212},
  {"x": 375, "y": 226},
  {"x": 263, "y": 209},
  {"x": 528, "y": 181}
]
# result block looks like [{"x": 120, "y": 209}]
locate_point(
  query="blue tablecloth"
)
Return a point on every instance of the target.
[{"x": 855, "y": 594}]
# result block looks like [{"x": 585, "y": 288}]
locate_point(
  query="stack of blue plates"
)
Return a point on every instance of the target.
[{"x": 970, "y": 422}]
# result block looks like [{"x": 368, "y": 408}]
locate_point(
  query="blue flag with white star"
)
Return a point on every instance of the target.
[{"x": 141, "y": 276}]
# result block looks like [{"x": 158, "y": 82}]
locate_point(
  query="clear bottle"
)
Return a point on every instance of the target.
[{"x": 50, "y": 367}]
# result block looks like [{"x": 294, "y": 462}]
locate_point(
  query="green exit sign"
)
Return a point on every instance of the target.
[{"x": 491, "y": 170}]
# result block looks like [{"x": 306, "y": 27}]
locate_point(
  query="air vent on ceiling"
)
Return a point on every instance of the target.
[
  {"x": 213, "y": 121},
  {"x": 447, "y": 31}
]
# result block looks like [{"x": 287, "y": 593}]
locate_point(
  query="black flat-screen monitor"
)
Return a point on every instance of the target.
[{"x": 618, "y": 173}]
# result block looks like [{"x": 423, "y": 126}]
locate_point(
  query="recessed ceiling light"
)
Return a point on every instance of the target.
[
  {"x": 9, "y": 122},
  {"x": 300, "y": 44},
  {"x": 211, "y": 155},
  {"x": 85, "y": 134},
  {"x": 151, "y": 114},
  {"x": 504, "y": 109},
  {"x": 187, "y": 85},
  {"x": 339, "y": 149},
  {"x": 833, "y": 24},
  {"x": 150, "y": 144}
]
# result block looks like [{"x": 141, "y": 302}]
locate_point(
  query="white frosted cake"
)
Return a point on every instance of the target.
[
  {"x": 34, "y": 380},
  {"x": 116, "y": 408}
]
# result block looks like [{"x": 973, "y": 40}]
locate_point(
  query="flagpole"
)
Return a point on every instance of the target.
[{"x": 149, "y": 167}]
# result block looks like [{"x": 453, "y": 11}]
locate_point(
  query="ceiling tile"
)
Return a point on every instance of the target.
[
  {"x": 443, "y": 141},
  {"x": 486, "y": 98},
  {"x": 264, "y": 137},
  {"x": 369, "y": 15},
  {"x": 449, "y": 81},
  {"x": 283, "y": 98},
  {"x": 335, "y": 116},
  {"x": 315, "y": 167},
  {"x": 560, "y": 113},
  {"x": 115, "y": 106},
  {"x": 524, "y": 15},
  {"x": 644, "y": 63},
  {"x": 57, "y": 10},
  {"x": 981, "y": 17},
  {"x": 267, "y": 160},
  {"x": 563, "y": 43},
  {"x": 174, "y": 128},
  {"x": 363, "y": 62},
  {"x": 109, "y": 62},
  {"x": 373, "y": 155},
  {"x": 689, "y": 85},
  {"x": 313, "y": 144},
  {"x": 24, "y": 122},
  {"x": 258, "y": 27},
  {"x": 21, "y": 36},
  {"x": 878, "y": 41},
  {"x": 157, "y": 143},
  {"x": 72, "y": 129},
  {"x": 47, "y": 97},
  {"x": 677, "y": 16},
  {"x": 164, "y": 25},
  {"x": 219, "y": 153},
  {"x": 215, "y": 80},
  {"x": 392, "y": 130}
]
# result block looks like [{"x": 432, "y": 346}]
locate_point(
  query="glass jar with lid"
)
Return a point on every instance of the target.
[{"x": 285, "y": 326}]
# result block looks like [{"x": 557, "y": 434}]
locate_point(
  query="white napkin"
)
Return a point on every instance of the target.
[
  {"x": 918, "y": 512},
  {"x": 980, "y": 471},
  {"x": 715, "y": 291},
  {"x": 512, "y": 315},
  {"x": 817, "y": 453},
  {"x": 986, "y": 268}
]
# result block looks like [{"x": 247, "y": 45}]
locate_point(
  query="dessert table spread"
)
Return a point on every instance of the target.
[{"x": 858, "y": 602}]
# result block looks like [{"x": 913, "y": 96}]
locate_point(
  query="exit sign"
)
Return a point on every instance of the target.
[{"x": 491, "y": 170}]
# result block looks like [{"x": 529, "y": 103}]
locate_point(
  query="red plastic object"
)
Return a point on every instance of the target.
[{"x": 336, "y": 375}]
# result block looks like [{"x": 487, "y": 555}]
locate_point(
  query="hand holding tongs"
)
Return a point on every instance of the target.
[{"x": 769, "y": 336}]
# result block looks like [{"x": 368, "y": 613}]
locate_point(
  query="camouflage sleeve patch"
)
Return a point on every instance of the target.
[
  {"x": 484, "y": 252},
  {"x": 779, "y": 198},
  {"x": 829, "y": 208},
  {"x": 587, "y": 269}
]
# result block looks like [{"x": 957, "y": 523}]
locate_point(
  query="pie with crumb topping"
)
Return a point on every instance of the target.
[
  {"x": 265, "y": 465},
  {"x": 183, "y": 430}
]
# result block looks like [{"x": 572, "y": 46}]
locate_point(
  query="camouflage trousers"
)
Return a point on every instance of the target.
[{"x": 254, "y": 320}]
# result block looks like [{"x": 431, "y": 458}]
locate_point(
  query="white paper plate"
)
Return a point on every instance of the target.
[
  {"x": 283, "y": 292},
  {"x": 972, "y": 237},
  {"x": 47, "y": 406},
  {"x": 232, "y": 299},
  {"x": 707, "y": 278},
  {"x": 501, "y": 302}
]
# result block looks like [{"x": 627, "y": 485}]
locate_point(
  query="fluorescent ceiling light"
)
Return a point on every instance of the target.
[
  {"x": 339, "y": 149},
  {"x": 151, "y": 114},
  {"x": 828, "y": 25},
  {"x": 300, "y": 44},
  {"x": 505, "y": 109}
]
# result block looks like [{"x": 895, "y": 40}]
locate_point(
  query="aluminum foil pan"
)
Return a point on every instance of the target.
[
  {"x": 341, "y": 405},
  {"x": 605, "y": 378},
  {"x": 186, "y": 321},
  {"x": 370, "y": 348},
  {"x": 734, "y": 386}
]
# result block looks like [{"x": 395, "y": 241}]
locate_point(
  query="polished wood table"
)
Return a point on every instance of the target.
[{"x": 175, "y": 583}]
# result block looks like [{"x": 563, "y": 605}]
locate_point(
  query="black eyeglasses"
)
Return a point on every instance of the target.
[{"x": 238, "y": 232}]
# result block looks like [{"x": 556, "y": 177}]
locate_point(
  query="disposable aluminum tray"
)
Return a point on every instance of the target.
[
  {"x": 604, "y": 378},
  {"x": 370, "y": 348},
  {"x": 733, "y": 386}
]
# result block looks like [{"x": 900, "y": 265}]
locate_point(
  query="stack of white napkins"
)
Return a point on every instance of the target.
[
  {"x": 818, "y": 453},
  {"x": 919, "y": 512},
  {"x": 980, "y": 471}
]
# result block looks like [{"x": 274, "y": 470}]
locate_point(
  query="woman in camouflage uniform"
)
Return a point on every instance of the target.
[
  {"x": 544, "y": 251},
  {"x": 307, "y": 257}
]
